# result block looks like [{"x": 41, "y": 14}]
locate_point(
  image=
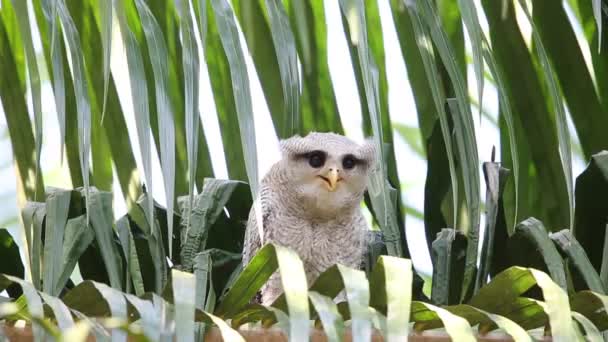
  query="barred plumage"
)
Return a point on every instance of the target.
[{"x": 310, "y": 202}]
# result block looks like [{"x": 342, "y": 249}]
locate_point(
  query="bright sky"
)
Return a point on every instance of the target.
[{"x": 412, "y": 168}]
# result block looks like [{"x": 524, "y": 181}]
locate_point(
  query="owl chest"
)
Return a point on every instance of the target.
[{"x": 318, "y": 244}]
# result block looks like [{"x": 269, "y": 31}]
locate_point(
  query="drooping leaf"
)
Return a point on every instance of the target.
[
  {"x": 391, "y": 282},
  {"x": 333, "y": 324},
  {"x": 57, "y": 207},
  {"x": 255, "y": 274},
  {"x": 97, "y": 299},
  {"x": 78, "y": 237},
  {"x": 457, "y": 327},
  {"x": 33, "y": 215},
  {"x": 533, "y": 231},
  {"x": 105, "y": 11},
  {"x": 448, "y": 255},
  {"x": 133, "y": 269},
  {"x": 102, "y": 221},
  {"x": 60, "y": 311},
  {"x": 578, "y": 258}
]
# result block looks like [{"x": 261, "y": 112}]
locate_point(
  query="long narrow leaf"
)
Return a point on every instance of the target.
[
  {"x": 23, "y": 20},
  {"x": 139, "y": 92},
  {"x": 597, "y": 13},
  {"x": 166, "y": 124},
  {"x": 379, "y": 186},
  {"x": 191, "y": 72},
  {"x": 184, "y": 290},
  {"x": 78, "y": 237},
  {"x": 229, "y": 35},
  {"x": 458, "y": 328},
  {"x": 82, "y": 95},
  {"x": 105, "y": 11},
  {"x": 560, "y": 119},
  {"x": 430, "y": 68},
  {"x": 285, "y": 48},
  {"x": 467, "y": 146}
]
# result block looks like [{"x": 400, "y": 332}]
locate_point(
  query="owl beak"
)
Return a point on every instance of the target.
[{"x": 332, "y": 178}]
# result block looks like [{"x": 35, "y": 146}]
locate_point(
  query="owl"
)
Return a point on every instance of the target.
[{"x": 310, "y": 202}]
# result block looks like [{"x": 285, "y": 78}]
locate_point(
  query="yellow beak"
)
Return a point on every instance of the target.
[{"x": 333, "y": 178}]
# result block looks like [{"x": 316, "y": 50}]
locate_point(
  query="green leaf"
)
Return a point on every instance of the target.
[
  {"x": 82, "y": 96},
  {"x": 529, "y": 104},
  {"x": 577, "y": 256},
  {"x": 510, "y": 327},
  {"x": 221, "y": 84},
  {"x": 465, "y": 137},
  {"x": 560, "y": 120},
  {"x": 184, "y": 289},
  {"x": 591, "y": 208},
  {"x": 390, "y": 277},
  {"x": 597, "y": 13},
  {"x": 229, "y": 35},
  {"x": 166, "y": 124},
  {"x": 77, "y": 238},
  {"x": 592, "y": 305},
  {"x": 34, "y": 304},
  {"x": 12, "y": 93},
  {"x": 333, "y": 324},
  {"x": 286, "y": 54},
  {"x": 506, "y": 112},
  {"x": 448, "y": 255},
  {"x": 139, "y": 91},
  {"x": 105, "y": 11},
  {"x": 412, "y": 137},
  {"x": 557, "y": 306},
  {"x": 469, "y": 16},
  {"x": 101, "y": 219},
  {"x": 495, "y": 178},
  {"x": 591, "y": 332},
  {"x": 255, "y": 274},
  {"x": 577, "y": 83},
  {"x": 23, "y": 20},
  {"x": 423, "y": 42},
  {"x": 534, "y": 231},
  {"x": 60, "y": 311},
  {"x": 33, "y": 215},
  {"x": 190, "y": 61},
  {"x": 208, "y": 206},
  {"x": 97, "y": 299},
  {"x": 133, "y": 269},
  {"x": 382, "y": 204},
  {"x": 9, "y": 251},
  {"x": 458, "y": 328},
  {"x": 504, "y": 288},
  {"x": 57, "y": 207},
  {"x": 318, "y": 102}
]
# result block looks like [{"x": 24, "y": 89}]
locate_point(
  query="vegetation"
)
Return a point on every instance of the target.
[{"x": 162, "y": 271}]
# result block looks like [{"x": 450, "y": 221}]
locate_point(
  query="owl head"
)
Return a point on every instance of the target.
[{"x": 327, "y": 171}]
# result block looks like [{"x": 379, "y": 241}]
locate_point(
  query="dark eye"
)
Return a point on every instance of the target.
[
  {"x": 348, "y": 162},
  {"x": 316, "y": 159}
]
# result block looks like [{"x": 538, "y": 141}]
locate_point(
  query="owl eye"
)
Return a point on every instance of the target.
[
  {"x": 349, "y": 162},
  {"x": 316, "y": 159}
]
